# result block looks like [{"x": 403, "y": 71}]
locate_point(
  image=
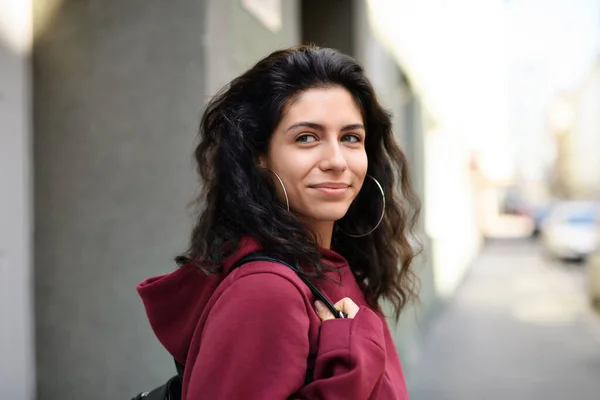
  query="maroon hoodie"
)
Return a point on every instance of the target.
[{"x": 252, "y": 334}]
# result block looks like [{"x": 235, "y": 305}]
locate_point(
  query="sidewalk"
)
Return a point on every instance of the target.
[{"x": 520, "y": 328}]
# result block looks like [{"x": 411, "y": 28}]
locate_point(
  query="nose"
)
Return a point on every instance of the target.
[{"x": 333, "y": 158}]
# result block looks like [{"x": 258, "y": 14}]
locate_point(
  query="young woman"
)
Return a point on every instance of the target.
[{"x": 298, "y": 160}]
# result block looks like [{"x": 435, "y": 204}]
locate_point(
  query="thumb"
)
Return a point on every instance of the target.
[{"x": 322, "y": 311}]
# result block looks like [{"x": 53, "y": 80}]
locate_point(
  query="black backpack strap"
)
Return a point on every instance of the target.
[
  {"x": 179, "y": 369},
  {"x": 318, "y": 294}
]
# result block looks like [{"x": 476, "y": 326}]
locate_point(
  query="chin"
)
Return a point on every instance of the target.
[{"x": 329, "y": 214}]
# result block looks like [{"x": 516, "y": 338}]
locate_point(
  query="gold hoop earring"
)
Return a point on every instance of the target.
[
  {"x": 287, "y": 200},
  {"x": 380, "y": 218}
]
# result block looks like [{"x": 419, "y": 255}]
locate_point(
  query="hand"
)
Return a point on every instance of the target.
[{"x": 345, "y": 305}]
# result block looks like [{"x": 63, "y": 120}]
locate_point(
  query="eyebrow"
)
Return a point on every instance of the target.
[{"x": 320, "y": 127}]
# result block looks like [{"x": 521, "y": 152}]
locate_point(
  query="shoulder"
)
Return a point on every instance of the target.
[{"x": 265, "y": 283}]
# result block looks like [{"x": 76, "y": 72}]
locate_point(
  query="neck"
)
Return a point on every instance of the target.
[{"x": 323, "y": 230}]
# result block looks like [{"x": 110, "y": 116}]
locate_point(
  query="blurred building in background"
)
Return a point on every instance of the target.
[
  {"x": 551, "y": 92},
  {"x": 100, "y": 105},
  {"x": 583, "y": 140},
  {"x": 560, "y": 128},
  {"x": 574, "y": 126}
]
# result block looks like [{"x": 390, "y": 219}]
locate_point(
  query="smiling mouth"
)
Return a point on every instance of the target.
[
  {"x": 332, "y": 189},
  {"x": 331, "y": 185}
]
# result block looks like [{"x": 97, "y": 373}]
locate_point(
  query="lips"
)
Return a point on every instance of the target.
[{"x": 331, "y": 185}]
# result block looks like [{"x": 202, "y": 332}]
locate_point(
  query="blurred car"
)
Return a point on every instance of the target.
[
  {"x": 514, "y": 202},
  {"x": 538, "y": 215},
  {"x": 570, "y": 230}
]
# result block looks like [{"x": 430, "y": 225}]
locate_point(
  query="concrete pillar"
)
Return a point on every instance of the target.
[
  {"x": 17, "y": 372},
  {"x": 118, "y": 87}
]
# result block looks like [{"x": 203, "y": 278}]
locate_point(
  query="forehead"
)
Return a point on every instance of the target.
[{"x": 333, "y": 104}]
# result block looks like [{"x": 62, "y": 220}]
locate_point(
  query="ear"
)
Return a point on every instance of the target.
[{"x": 262, "y": 161}]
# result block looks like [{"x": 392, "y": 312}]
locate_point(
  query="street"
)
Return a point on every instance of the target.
[{"x": 519, "y": 328}]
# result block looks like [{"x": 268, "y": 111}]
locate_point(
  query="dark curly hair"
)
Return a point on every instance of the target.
[{"x": 239, "y": 198}]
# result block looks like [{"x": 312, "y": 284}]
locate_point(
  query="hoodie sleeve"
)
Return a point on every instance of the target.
[
  {"x": 255, "y": 345},
  {"x": 350, "y": 360}
]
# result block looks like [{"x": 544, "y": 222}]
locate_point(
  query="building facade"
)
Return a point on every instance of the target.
[{"x": 583, "y": 141}]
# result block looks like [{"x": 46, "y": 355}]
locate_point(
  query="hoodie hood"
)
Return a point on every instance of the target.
[{"x": 174, "y": 302}]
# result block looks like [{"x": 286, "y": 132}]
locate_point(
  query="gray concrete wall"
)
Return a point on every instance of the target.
[
  {"x": 236, "y": 39},
  {"x": 17, "y": 373},
  {"x": 118, "y": 87}
]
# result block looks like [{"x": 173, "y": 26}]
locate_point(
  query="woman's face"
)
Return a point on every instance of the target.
[{"x": 318, "y": 150}]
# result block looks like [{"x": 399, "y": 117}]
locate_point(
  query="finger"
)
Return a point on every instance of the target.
[
  {"x": 322, "y": 311},
  {"x": 347, "y": 306}
]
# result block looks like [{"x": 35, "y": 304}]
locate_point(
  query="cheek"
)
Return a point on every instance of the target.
[
  {"x": 359, "y": 164},
  {"x": 289, "y": 166}
]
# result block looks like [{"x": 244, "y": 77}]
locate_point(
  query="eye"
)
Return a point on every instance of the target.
[
  {"x": 306, "y": 138},
  {"x": 352, "y": 138}
]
